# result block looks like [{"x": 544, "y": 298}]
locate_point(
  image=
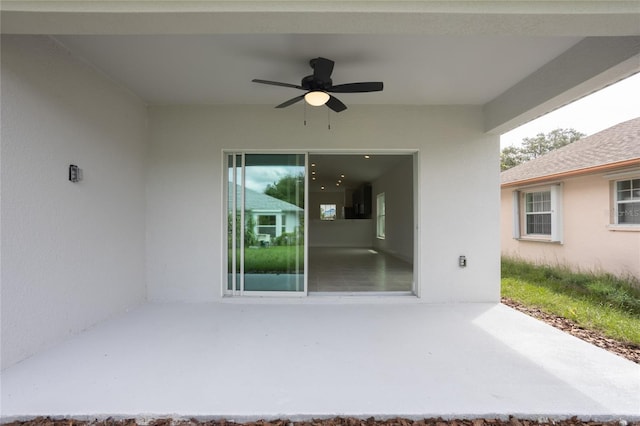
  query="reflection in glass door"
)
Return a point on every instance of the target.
[{"x": 265, "y": 223}]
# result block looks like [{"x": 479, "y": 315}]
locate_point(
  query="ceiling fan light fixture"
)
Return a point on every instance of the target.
[{"x": 316, "y": 98}]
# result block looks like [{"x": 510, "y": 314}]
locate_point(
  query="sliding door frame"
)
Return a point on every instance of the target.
[{"x": 238, "y": 284}]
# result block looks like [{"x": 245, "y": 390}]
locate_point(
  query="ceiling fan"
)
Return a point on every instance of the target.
[{"x": 319, "y": 85}]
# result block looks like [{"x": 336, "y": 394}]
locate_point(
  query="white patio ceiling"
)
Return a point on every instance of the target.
[
  {"x": 416, "y": 69},
  {"x": 517, "y": 59}
]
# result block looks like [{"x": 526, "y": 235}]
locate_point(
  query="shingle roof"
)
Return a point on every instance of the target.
[
  {"x": 258, "y": 201},
  {"x": 616, "y": 144}
]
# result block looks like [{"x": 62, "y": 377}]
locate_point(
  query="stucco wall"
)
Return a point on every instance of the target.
[
  {"x": 589, "y": 243},
  {"x": 458, "y": 186},
  {"x": 72, "y": 254}
]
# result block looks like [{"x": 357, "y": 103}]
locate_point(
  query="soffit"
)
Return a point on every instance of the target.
[{"x": 426, "y": 52}]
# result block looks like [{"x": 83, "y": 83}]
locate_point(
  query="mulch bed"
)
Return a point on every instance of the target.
[
  {"x": 336, "y": 421},
  {"x": 625, "y": 350}
]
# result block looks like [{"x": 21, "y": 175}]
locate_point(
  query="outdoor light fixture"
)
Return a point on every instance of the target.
[
  {"x": 75, "y": 173},
  {"x": 316, "y": 98}
]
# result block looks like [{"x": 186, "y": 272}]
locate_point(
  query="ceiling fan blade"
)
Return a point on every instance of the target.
[
  {"x": 335, "y": 104},
  {"x": 322, "y": 68},
  {"x": 370, "y": 86},
  {"x": 290, "y": 101},
  {"x": 276, "y": 83}
]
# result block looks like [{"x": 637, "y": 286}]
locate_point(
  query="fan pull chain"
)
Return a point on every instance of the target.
[
  {"x": 328, "y": 119},
  {"x": 305, "y": 113}
]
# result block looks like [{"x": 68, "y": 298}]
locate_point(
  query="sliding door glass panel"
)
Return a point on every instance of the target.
[
  {"x": 266, "y": 209},
  {"x": 274, "y": 222}
]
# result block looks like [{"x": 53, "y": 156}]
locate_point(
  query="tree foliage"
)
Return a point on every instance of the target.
[
  {"x": 537, "y": 146},
  {"x": 250, "y": 238},
  {"x": 289, "y": 188}
]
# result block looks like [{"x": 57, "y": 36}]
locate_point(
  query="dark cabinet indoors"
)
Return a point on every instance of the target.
[{"x": 361, "y": 203}]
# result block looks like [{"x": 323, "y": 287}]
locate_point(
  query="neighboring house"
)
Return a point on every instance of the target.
[
  {"x": 272, "y": 217},
  {"x": 150, "y": 101},
  {"x": 578, "y": 206}
]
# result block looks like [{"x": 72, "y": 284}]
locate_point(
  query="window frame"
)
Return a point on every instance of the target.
[
  {"x": 323, "y": 209},
  {"x": 520, "y": 214},
  {"x": 381, "y": 215},
  {"x": 617, "y": 201},
  {"x": 537, "y": 200},
  {"x": 264, "y": 227}
]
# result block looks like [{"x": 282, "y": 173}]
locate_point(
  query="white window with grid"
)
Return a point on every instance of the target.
[
  {"x": 627, "y": 202},
  {"x": 537, "y": 214}
]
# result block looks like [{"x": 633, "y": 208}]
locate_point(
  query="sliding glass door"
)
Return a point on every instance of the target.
[{"x": 265, "y": 223}]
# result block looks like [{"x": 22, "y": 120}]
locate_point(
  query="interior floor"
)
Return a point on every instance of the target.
[{"x": 338, "y": 269}]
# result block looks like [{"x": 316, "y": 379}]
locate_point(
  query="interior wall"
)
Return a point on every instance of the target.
[
  {"x": 326, "y": 197},
  {"x": 397, "y": 186},
  {"x": 340, "y": 232},
  {"x": 458, "y": 188},
  {"x": 357, "y": 233},
  {"x": 72, "y": 253}
]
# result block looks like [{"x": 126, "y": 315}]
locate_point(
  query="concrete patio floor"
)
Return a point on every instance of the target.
[{"x": 322, "y": 357}]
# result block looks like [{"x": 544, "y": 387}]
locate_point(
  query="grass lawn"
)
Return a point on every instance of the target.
[
  {"x": 278, "y": 259},
  {"x": 598, "y": 302}
]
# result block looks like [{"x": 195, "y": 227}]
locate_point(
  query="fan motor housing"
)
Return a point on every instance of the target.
[{"x": 312, "y": 83}]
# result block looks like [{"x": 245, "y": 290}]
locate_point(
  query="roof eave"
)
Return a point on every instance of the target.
[{"x": 572, "y": 173}]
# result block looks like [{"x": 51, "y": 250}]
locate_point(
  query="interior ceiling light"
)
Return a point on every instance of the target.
[
  {"x": 316, "y": 98},
  {"x": 367, "y": 157}
]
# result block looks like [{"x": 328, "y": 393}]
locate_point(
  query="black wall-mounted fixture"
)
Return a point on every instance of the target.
[
  {"x": 75, "y": 173},
  {"x": 462, "y": 261}
]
